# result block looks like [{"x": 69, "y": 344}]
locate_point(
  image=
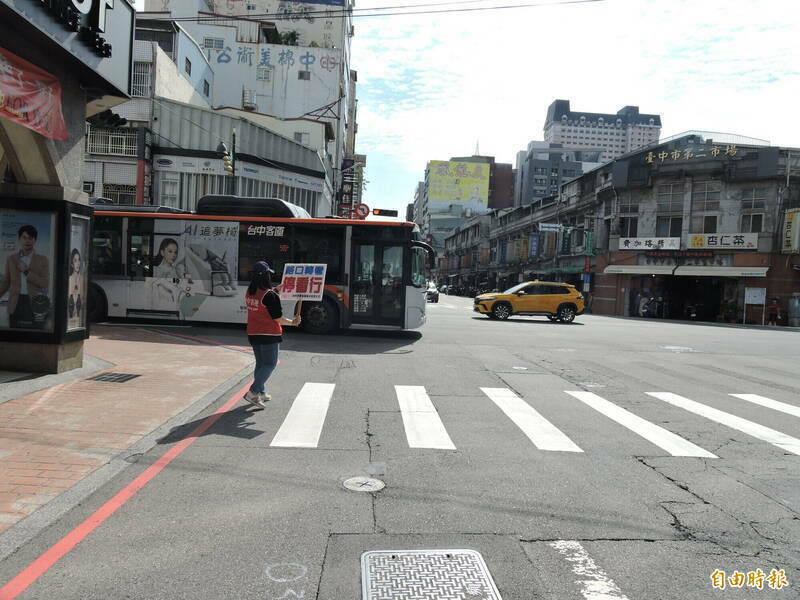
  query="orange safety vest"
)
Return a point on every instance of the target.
[{"x": 259, "y": 321}]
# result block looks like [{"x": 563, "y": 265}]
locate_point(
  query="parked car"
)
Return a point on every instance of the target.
[
  {"x": 432, "y": 294},
  {"x": 557, "y": 301}
]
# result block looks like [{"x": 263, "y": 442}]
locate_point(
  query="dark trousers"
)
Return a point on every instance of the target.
[{"x": 22, "y": 317}]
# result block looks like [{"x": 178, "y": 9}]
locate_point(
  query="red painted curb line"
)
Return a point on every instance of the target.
[{"x": 39, "y": 567}]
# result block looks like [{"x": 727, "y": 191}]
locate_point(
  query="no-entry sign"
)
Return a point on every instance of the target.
[{"x": 362, "y": 210}]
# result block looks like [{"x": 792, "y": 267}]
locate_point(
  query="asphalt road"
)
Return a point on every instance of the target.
[{"x": 591, "y": 503}]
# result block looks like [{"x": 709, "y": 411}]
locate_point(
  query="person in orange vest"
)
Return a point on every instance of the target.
[
  {"x": 773, "y": 312},
  {"x": 264, "y": 329}
]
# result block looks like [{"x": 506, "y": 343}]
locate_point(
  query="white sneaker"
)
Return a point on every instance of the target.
[
  {"x": 264, "y": 397},
  {"x": 254, "y": 399}
]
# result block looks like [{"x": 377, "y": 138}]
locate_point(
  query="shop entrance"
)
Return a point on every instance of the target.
[{"x": 676, "y": 297}]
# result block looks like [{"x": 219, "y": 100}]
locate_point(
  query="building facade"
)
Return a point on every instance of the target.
[
  {"x": 616, "y": 134},
  {"x": 680, "y": 230},
  {"x": 544, "y": 167}
]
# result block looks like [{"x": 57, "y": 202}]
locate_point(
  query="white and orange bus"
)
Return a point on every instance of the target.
[{"x": 160, "y": 263}]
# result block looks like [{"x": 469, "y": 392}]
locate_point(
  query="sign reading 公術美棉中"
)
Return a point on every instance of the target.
[{"x": 303, "y": 281}]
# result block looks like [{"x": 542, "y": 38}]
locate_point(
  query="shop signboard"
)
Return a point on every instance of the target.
[
  {"x": 533, "y": 245},
  {"x": 791, "y": 232},
  {"x": 724, "y": 241},
  {"x": 544, "y": 227},
  {"x": 664, "y": 243},
  {"x": 98, "y": 33}
]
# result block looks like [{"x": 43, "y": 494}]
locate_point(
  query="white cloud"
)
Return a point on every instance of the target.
[{"x": 430, "y": 86}]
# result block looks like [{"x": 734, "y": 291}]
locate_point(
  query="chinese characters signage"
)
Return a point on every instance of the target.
[
  {"x": 30, "y": 96},
  {"x": 303, "y": 281},
  {"x": 265, "y": 230},
  {"x": 665, "y": 155},
  {"x": 665, "y": 243},
  {"x": 462, "y": 183},
  {"x": 791, "y": 231},
  {"x": 753, "y": 579},
  {"x": 727, "y": 241}
]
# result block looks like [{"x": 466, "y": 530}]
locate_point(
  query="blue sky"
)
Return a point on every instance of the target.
[{"x": 432, "y": 86}]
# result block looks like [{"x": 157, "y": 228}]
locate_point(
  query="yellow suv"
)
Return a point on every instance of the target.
[{"x": 557, "y": 301}]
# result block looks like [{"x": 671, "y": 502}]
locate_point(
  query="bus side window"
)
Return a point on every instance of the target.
[
  {"x": 107, "y": 246},
  {"x": 140, "y": 248},
  {"x": 259, "y": 241},
  {"x": 314, "y": 244}
]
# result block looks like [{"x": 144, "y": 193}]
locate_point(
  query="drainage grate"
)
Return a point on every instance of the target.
[
  {"x": 114, "y": 377},
  {"x": 429, "y": 574}
]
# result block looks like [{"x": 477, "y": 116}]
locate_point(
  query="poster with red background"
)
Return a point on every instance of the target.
[{"x": 30, "y": 96}]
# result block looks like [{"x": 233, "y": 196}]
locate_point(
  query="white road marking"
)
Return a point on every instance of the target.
[
  {"x": 543, "y": 434},
  {"x": 789, "y": 409},
  {"x": 776, "y": 438},
  {"x": 303, "y": 425},
  {"x": 595, "y": 584},
  {"x": 663, "y": 438},
  {"x": 424, "y": 428}
]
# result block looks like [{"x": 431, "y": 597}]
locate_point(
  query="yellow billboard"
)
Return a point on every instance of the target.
[{"x": 456, "y": 182}]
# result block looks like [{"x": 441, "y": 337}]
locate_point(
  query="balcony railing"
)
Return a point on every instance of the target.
[{"x": 115, "y": 142}]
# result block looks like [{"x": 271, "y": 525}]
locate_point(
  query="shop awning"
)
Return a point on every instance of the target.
[
  {"x": 722, "y": 271},
  {"x": 639, "y": 269}
]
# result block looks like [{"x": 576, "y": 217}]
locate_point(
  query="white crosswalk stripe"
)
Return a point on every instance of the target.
[
  {"x": 543, "y": 434},
  {"x": 594, "y": 583},
  {"x": 672, "y": 443},
  {"x": 424, "y": 428},
  {"x": 303, "y": 425},
  {"x": 776, "y": 438},
  {"x": 789, "y": 409}
]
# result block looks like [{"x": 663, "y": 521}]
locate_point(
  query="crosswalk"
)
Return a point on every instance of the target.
[{"x": 424, "y": 428}]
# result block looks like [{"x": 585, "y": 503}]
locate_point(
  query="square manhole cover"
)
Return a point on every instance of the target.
[
  {"x": 114, "y": 377},
  {"x": 426, "y": 575}
]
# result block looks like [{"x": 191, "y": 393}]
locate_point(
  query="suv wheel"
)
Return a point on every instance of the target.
[
  {"x": 502, "y": 310},
  {"x": 566, "y": 314}
]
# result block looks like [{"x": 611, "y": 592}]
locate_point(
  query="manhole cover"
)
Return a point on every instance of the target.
[
  {"x": 114, "y": 377},
  {"x": 429, "y": 574},
  {"x": 364, "y": 484}
]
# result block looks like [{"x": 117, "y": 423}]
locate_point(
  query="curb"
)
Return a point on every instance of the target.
[{"x": 25, "y": 530}]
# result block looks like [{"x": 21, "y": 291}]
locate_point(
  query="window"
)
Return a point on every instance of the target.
[
  {"x": 316, "y": 244},
  {"x": 669, "y": 226},
  {"x": 753, "y": 198},
  {"x": 628, "y": 227},
  {"x": 705, "y": 196},
  {"x": 301, "y": 137},
  {"x": 206, "y": 88},
  {"x": 628, "y": 205},
  {"x": 120, "y": 193},
  {"x": 88, "y": 187},
  {"x": 704, "y": 224},
  {"x": 170, "y": 185},
  {"x": 187, "y": 66},
  {"x": 107, "y": 246},
  {"x": 213, "y": 43},
  {"x": 119, "y": 142},
  {"x": 305, "y": 75},
  {"x": 670, "y": 197},
  {"x": 264, "y": 73},
  {"x": 253, "y": 248},
  {"x": 752, "y": 223},
  {"x": 140, "y": 80}
]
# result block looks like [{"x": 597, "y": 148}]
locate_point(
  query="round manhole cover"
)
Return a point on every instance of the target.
[{"x": 364, "y": 484}]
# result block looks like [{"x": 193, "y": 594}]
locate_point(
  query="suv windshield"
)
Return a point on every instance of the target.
[{"x": 516, "y": 288}]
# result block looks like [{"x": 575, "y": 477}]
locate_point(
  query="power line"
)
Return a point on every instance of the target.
[{"x": 350, "y": 12}]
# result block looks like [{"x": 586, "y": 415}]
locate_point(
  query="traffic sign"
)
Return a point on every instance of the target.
[{"x": 362, "y": 210}]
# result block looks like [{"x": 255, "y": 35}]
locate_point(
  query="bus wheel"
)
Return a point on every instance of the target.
[
  {"x": 319, "y": 317},
  {"x": 97, "y": 307}
]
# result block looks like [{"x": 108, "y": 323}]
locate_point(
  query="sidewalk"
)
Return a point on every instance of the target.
[{"x": 53, "y": 438}]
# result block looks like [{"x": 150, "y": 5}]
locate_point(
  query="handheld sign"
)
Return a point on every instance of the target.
[{"x": 303, "y": 281}]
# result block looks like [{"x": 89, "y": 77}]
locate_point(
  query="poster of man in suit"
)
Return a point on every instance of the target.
[{"x": 26, "y": 270}]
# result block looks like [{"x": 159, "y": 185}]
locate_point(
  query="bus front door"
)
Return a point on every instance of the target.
[{"x": 377, "y": 290}]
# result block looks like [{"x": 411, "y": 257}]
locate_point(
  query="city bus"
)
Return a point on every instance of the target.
[{"x": 162, "y": 263}]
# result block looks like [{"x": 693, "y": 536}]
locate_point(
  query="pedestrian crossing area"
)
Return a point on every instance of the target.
[{"x": 424, "y": 427}]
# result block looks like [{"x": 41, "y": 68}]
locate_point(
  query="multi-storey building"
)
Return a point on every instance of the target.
[
  {"x": 287, "y": 60},
  {"x": 616, "y": 134},
  {"x": 690, "y": 223},
  {"x": 544, "y": 167},
  {"x": 465, "y": 260}
]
